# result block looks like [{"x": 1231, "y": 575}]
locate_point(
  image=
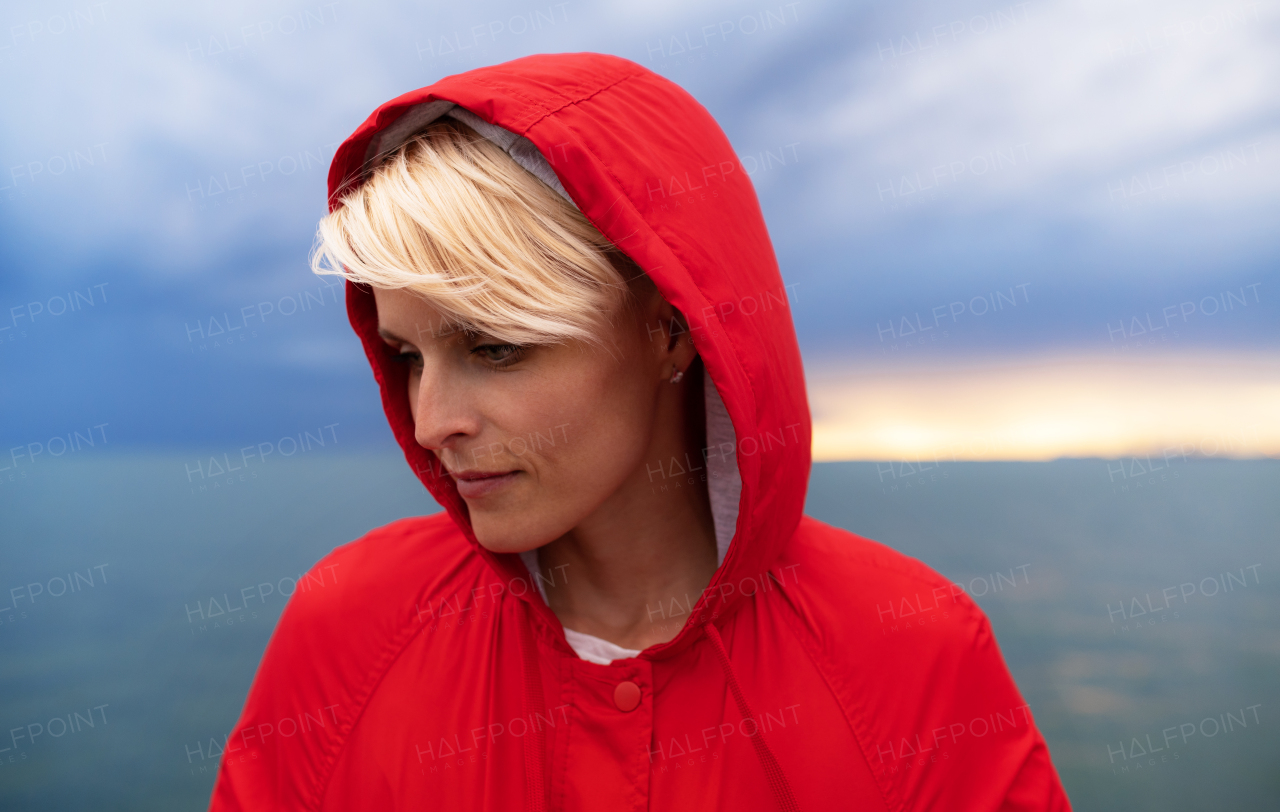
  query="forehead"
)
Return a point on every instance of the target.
[{"x": 404, "y": 315}]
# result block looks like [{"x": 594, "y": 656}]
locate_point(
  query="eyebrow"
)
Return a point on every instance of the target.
[{"x": 389, "y": 336}]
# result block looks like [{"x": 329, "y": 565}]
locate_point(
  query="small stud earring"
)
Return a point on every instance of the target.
[{"x": 676, "y": 375}]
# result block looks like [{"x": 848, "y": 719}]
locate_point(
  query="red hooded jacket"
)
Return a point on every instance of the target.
[{"x": 819, "y": 670}]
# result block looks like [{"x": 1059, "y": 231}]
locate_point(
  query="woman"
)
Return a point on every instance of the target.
[{"x": 563, "y": 283}]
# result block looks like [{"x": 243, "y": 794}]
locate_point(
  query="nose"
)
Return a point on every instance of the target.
[{"x": 443, "y": 411}]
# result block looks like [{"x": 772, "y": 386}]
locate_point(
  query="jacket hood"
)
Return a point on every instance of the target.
[{"x": 649, "y": 167}]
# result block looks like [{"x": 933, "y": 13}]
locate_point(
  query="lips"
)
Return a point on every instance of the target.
[{"x": 475, "y": 484}]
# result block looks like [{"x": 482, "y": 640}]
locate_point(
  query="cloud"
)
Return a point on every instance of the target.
[
  {"x": 1116, "y": 157},
  {"x": 1042, "y": 105}
]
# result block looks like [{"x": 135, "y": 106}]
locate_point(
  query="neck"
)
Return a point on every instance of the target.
[{"x": 632, "y": 570}]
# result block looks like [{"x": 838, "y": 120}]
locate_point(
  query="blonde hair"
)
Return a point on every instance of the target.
[{"x": 452, "y": 217}]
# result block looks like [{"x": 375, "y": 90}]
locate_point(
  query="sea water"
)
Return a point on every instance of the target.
[{"x": 1130, "y": 598}]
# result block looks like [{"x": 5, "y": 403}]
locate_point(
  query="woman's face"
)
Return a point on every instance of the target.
[{"x": 537, "y": 438}]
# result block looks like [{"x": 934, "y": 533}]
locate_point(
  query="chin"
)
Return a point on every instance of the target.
[{"x": 504, "y": 534}]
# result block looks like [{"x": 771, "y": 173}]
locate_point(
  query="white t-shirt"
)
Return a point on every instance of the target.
[{"x": 595, "y": 650}]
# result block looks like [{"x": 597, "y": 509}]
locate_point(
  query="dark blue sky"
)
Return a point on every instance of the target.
[{"x": 162, "y": 171}]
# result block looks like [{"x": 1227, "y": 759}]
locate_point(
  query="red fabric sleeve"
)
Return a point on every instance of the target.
[{"x": 917, "y": 670}]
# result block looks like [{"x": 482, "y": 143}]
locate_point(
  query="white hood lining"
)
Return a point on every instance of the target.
[{"x": 416, "y": 118}]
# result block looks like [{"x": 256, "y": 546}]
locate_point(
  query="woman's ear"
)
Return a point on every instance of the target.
[{"x": 673, "y": 340}]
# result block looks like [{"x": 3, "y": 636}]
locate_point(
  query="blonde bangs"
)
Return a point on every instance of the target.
[{"x": 453, "y": 218}]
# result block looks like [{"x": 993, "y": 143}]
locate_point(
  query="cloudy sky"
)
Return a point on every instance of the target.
[{"x": 1010, "y": 230}]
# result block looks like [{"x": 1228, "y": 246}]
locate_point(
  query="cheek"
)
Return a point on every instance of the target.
[
  {"x": 609, "y": 413},
  {"x": 580, "y": 436},
  {"x": 579, "y": 429}
]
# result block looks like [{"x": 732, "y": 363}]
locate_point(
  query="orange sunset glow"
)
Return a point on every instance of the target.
[{"x": 1201, "y": 404}]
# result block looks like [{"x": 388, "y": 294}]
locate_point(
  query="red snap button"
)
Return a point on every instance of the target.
[{"x": 626, "y": 696}]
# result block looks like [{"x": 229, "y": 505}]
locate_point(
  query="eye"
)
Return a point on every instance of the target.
[
  {"x": 408, "y": 357},
  {"x": 499, "y": 355}
]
